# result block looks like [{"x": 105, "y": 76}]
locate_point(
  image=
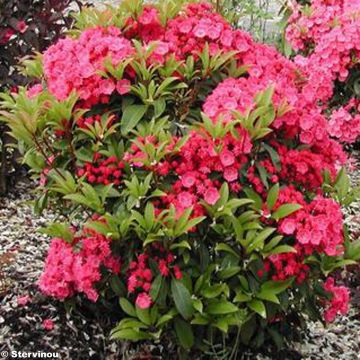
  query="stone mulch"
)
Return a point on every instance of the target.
[{"x": 85, "y": 336}]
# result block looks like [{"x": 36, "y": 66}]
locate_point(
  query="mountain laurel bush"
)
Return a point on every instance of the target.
[
  {"x": 193, "y": 168},
  {"x": 325, "y": 34}
]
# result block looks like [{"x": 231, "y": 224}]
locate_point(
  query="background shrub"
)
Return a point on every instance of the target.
[
  {"x": 324, "y": 36},
  {"x": 25, "y": 26}
]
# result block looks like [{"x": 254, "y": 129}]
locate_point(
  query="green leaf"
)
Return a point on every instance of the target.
[
  {"x": 182, "y": 298},
  {"x": 221, "y": 307},
  {"x": 143, "y": 315},
  {"x": 272, "y": 196},
  {"x": 117, "y": 286},
  {"x": 241, "y": 297},
  {"x": 181, "y": 245},
  {"x": 165, "y": 318},
  {"x": 130, "y": 334},
  {"x": 155, "y": 287},
  {"x": 285, "y": 210},
  {"x": 131, "y": 323},
  {"x": 127, "y": 307},
  {"x": 274, "y": 156},
  {"x": 263, "y": 175},
  {"x": 277, "y": 338},
  {"x": 229, "y": 272},
  {"x": 257, "y": 306},
  {"x": 131, "y": 117},
  {"x": 213, "y": 291},
  {"x": 277, "y": 287},
  {"x": 184, "y": 333},
  {"x": 273, "y": 242},
  {"x": 198, "y": 305},
  {"x": 251, "y": 194},
  {"x": 268, "y": 296},
  {"x": 57, "y": 230},
  {"x": 200, "y": 320},
  {"x": 226, "y": 248},
  {"x": 282, "y": 249},
  {"x": 258, "y": 242}
]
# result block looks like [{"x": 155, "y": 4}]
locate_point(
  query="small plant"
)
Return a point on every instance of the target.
[{"x": 199, "y": 186}]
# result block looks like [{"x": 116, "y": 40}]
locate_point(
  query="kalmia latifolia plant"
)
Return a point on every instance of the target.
[
  {"x": 326, "y": 33},
  {"x": 197, "y": 181}
]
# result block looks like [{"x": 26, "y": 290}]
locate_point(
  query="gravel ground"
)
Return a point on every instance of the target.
[{"x": 82, "y": 335}]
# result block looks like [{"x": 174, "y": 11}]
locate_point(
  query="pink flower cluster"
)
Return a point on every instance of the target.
[
  {"x": 343, "y": 124},
  {"x": 301, "y": 167},
  {"x": 339, "y": 303},
  {"x": 308, "y": 25},
  {"x": 187, "y": 33},
  {"x": 198, "y": 159},
  {"x": 287, "y": 265},
  {"x": 140, "y": 275},
  {"x": 318, "y": 226},
  {"x": 328, "y": 32},
  {"x": 305, "y": 167},
  {"x": 73, "y": 64},
  {"x": 303, "y": 117},
  {"x": 75, "y": 268},
  {"x": 148, "y": 26},
  {"x": 103, "y": 171}
]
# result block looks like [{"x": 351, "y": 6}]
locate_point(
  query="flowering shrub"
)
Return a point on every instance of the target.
[
  {"x": 326, "y": 33},
  {"x": 195, "y": 173},
  {"x": 25, "y": 26}
]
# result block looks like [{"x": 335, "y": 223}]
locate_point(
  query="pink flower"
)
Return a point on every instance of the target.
[
  {"x": 23, "y": 300},
  {"x": 34, "y": 91},
  {"x": 6, "y": 36},
  {"x": 48, "y": 324},
  {"x": 106, "y": 86},
  {"x": 230, "y": 174},
  {"x": 212, "y": 196},
  {"x": 123, "y": 86},
  {"x": 177, "y": 272},
  {"x": 200, "y": 31},
  {"x": 188, "y": 180},
  {"x": 143, "y": 301},
  {"x": 163, "y": 268},
  {"x": 288, "y": 226},
  {"x": 185, "y": 199},
  {"x": 21, "y": 26},
  {"x": 339, "y": 303},
  {"x": 227, "y": 158}
]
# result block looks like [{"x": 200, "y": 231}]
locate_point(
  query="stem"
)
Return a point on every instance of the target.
[
  {"x": 46, "y": 157},
  {"x": 218, "y": 5},
  {"x": 234, "y": 352},
  {"x": 48, "y": 146},
  {"x": 71, "y": 147}
]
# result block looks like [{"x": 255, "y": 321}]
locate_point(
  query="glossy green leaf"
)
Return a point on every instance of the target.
[
  {"x": 182, "y": 298},
  {"x": 131, "y": 117},
  {"x": 221, "y": 307},
  {"x": 285, "y": 210},
  {"x": 257, "y": 306},
  {"x": 184, "y": 333}
]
